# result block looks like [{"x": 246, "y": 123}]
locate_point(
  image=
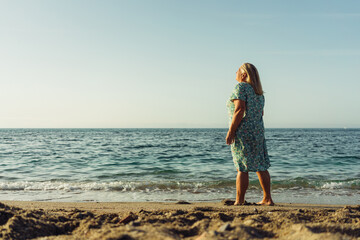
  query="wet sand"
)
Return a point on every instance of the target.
[{"x": 182, "y": 220}]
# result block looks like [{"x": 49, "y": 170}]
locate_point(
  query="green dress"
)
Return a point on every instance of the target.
[{"x": 249, "y": 148}]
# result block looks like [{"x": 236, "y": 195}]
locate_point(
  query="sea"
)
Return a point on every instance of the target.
[{"x": 316, "y": 166}]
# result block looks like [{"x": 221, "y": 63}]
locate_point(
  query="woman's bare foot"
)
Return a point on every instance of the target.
[
  {"x": 236, "y": 203},
  {"x": 266, "y": 203}
]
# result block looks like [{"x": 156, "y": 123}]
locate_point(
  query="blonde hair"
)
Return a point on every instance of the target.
[{"x": 253, "y": 77}]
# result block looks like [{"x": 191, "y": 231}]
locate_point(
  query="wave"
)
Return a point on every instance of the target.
[
  {"x": 96, "y": 186},
  {"x": 190, "y": 186},
  {"x": 160, "y": 146},
  {"x": 316, "y": 184},
  {"x": 347, "y": 157}
]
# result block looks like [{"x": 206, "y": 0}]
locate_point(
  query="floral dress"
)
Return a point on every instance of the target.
[{"x": 249, "y": 148}]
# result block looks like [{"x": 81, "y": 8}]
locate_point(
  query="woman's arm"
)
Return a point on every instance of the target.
[{"x": 236, "y": 119}]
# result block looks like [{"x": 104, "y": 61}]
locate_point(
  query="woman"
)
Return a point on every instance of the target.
[{"x": 246, "y": 133}]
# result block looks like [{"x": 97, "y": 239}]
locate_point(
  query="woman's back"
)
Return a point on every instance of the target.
[{"x": 254, "y": 105}]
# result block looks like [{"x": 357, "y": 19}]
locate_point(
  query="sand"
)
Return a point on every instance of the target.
[{"x": 182, "y": 220}]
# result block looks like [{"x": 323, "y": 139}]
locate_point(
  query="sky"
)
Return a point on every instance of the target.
[{"x": 172, "y": 64}]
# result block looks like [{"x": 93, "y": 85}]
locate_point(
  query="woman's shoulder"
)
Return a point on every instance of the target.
[
  {"x": 248, "y": 88},
  {"x": 243, "y": 85}
]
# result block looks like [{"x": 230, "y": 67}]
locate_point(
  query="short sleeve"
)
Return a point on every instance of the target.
[{"x": 239, "y": 92}]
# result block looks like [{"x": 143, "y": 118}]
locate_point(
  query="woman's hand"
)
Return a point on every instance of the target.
[{"x": 230, "y": 137}]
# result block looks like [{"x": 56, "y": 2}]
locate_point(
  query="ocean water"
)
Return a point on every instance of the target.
[{"x": 320, "y": 166}]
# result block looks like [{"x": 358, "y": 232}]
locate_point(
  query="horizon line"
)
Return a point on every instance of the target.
[{"x": 172, "y": 127}]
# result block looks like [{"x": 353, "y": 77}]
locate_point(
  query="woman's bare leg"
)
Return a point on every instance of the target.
[
  {"x": 242, "y": 183},
  {"x": 264, "y": 178}
]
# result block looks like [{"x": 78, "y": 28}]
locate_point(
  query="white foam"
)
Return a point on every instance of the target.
[
  {"x": 98, "y": 186},
  {"x": 333, "y": 185},
  {"x": 64, "y": 186},
  {"x": 339, "y": 185}
]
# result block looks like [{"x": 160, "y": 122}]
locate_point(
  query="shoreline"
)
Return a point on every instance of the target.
[
  {"x": 176, "y": 220},
  {"x": 124, "y": 207}
]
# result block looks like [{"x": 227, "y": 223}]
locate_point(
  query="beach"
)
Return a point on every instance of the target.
[{"x": 176, "y": 220}]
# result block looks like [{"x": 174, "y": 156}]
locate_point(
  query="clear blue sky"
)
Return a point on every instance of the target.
[{"x": 173, "y": 63}]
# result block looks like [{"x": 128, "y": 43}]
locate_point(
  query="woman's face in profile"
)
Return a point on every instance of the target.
[{"x": 240, "y": 75}]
